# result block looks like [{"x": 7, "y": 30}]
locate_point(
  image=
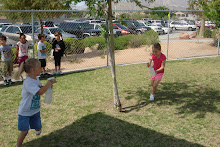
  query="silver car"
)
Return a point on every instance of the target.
[
  {"x": 13, "y": 32},
  {"x": 50, "y": 31}
]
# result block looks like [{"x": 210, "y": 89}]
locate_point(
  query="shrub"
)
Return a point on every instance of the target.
[
  {"x": 137, "y": 41},
  {"x": 73, "y": 46},
  {"x": 151, "y": 37},
  {"x": 207, "y": 33},
  {"x": 91, "y": 41},
  {"x": 48, "y": 47},
  {"x": 122, "y": 42}
]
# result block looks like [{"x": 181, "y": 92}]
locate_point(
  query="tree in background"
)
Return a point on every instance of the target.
[
  {"x": 158, "y": 14},
  {"x": 103, "y": 8},
  {"x": 196, "y": 5},
  {"x": 32, "y": 5},
  {"x": 212, "y": 10}
]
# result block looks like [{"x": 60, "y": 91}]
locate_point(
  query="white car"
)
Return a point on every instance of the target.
[
  {"x": 157, "y": 29},
  {"x": 177, "y": 25},
  {"x": 50, "y": 31},
  {"x": 165, "y": 29}
]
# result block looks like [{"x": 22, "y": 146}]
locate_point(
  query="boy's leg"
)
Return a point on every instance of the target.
[
  {"x": 35, "y": 123},
  {"x": 23, "y": 126},
  {"x": 21, "y": 137}
]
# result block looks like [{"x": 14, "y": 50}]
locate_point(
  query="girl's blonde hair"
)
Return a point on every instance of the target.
[{"x": 26, "y": 66}]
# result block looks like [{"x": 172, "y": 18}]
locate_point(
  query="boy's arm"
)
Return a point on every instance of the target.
[
  {"x": 162, "y": 66},
  {"x": 43, "y": 51},
  {"x": 44, "y": 88}
]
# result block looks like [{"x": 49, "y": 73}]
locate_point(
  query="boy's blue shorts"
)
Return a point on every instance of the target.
[{"x": 33, "y": 121}]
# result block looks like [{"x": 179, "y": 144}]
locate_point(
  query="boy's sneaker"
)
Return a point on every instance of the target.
[
  {"x": 60, "y": 72},
  {"x": 151, "y": 97},
  {"x": 54, "y": 73},
  {"x": 46, "y": 74},
  {"x": 38, "y": 132},
  {"x": 10, "y": 82},
  {"x": 42, "y": 75},
  {"x": 5, "y": 82}
]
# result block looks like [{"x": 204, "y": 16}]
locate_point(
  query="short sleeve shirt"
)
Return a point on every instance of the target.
[
  {"x": 23, "y": 49},
  {"x": 30, "y": 102},
  {"x": 41, "y": 46},
  {"x": 5, "y": 53},
  {"x": 158, "y": 62}
]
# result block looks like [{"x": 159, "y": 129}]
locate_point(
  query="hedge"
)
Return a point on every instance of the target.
[
  {"x": 91, "y": 41},
  {"x": 73, "y": 46}
]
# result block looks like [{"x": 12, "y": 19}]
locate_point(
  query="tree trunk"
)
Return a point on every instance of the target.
[
  {"x": 202, "y": 28},
  {"x": 117, "y": 102}
]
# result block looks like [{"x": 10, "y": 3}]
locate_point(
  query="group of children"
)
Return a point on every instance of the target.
[
  {"x": 29, "y": 108},
  {"x": 22, "y": 55}
]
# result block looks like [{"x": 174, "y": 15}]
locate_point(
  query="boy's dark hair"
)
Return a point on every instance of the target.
[
  {"x": 157, "y": 46},
  {"x": 21, "y": 34},
  {"x": 3, "y": 38},
  {"x": 40, "y": 36}
]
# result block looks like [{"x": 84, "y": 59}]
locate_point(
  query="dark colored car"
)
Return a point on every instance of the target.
[
  {"x": 136, "y": 26},
  {"x": 80, "y": 29}
]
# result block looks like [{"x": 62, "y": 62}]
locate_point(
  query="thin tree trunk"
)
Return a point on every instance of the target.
[
  {"x": 202, "y": 28},
  {"x": 117, "y": 102}
]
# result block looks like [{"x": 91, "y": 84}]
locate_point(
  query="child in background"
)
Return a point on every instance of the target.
[
  {"x": 29, "y": 109},
  {"x": 7, "y": 64},
  {"x": 41, "y": 49},
  {"x": 59, "y": 48},
  {"x": 22, "y": 50},
  {"x": 159, "y": 65}
]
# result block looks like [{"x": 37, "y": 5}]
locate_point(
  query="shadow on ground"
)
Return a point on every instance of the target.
[
  {"x": 188, "y": 97},
  {"x": 102, "y": 130}
]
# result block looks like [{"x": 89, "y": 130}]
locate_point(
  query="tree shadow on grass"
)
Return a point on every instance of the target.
[
  {"x": 102, "y": 130},
  {"x": 189, "y": 97}
]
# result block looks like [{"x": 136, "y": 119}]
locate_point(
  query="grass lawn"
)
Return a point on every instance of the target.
[{"x": 185, "y": 113}]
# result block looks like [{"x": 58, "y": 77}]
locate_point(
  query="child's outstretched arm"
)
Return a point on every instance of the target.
[
  {"x": 44, "y": 88},
  {"x": 162, "y": 66}
]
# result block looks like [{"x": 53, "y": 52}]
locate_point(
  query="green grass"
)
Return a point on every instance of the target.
[{"x": 185, "y": 113}]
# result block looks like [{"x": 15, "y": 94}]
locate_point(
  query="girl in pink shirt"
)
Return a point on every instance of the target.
[{"x": 159, "y": 60}]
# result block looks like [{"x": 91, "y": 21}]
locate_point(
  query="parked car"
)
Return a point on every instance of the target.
[
  {"x": 45, "y": 24},
  {"x": 124, "y": 29},
  {"x": 135, "y": 26},
  {"x": 157, "y": 22},
  {"x": 13, "y": 32},
  {"x": 207, "y": 25},
  {"x": 165, "y": 29},
  {"x": 176, "y": 25},
  {"x": 117, "y": 32},
  {"x": 80, "y": 29},
  {"x": 157, "y": 29},
  {"x": 50, "y": 31},
  {"x": 3, "y": 24}
]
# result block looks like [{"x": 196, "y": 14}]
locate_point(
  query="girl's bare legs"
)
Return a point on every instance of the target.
[
  {"x": 21, "y": 137},
  {"x": 154, "y": 84}
]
